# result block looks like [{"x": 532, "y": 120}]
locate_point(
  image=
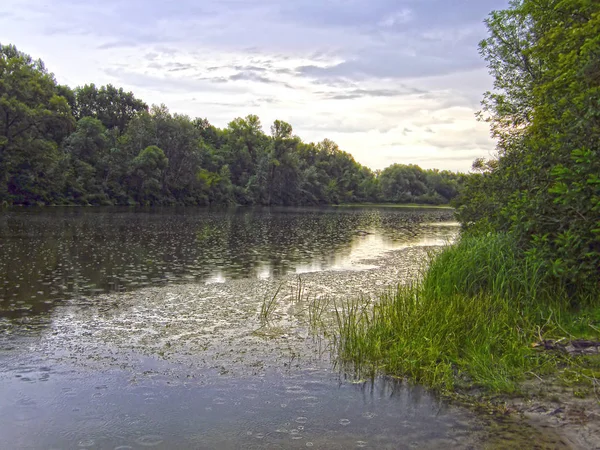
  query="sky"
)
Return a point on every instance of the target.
[{"x": 390, "y": 81}]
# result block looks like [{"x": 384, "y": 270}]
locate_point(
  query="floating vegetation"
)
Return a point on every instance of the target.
[{"x": 49, "y": 255}]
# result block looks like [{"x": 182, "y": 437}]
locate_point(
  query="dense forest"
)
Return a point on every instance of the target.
[
  {"x": 103, "y": 146},
  {"x": 544, "y": 188},
  {"x": 522, "y": 282}
]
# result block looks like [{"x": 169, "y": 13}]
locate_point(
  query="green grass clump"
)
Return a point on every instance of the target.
[
  {"x": 469, "y": 322},
  {"x": 267, "y": 308}
]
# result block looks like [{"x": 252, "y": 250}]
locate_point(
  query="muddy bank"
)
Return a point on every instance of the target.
[{"x": 551, "y": 406}]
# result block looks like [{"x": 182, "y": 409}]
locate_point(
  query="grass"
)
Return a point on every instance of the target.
[
  {"x": 469, "y": 322},
  {"x": 267, "y": 308}
]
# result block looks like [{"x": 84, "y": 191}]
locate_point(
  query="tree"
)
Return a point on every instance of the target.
[
  {"x": 113, "y": 107},
  {"x": 121, "y": 152},
  {"x": 146, "y": 175},
  {"x": 34, "y": 119},
  {"x": 87, "y": 152},
  {"x": 544, "y": 186}
]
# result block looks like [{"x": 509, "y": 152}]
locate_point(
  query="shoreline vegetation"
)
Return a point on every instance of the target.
[
  {"x": 334, "y": 205},
  {"x": 103, "y": 146},
  {"x": 511, "y": 311},
  {"x": 391, "y": 205},
  {"x": 478, "y": 318}
]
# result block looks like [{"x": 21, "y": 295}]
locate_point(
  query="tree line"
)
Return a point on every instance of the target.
[
  {"x": 543, "y": 190},
  {"x": 103, "y": 146}
]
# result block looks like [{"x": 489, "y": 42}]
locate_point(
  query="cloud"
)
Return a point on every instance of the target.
[
  {"x": 361, "y": 93},
  {"x": 397, "y": 18},
  {"x": 362, "y": 73},
  {"x": 254, "y": 77},
  {"x": 170, "y": 83}
]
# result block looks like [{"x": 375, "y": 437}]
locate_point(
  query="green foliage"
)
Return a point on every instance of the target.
[
  {"x": 34, "y": 118},
  {"x": 122, "y": 152},
  {"x": 411, "y": 184},
  {"x": 545, "y": 110},
  {"x": 470, "y": 322},
  {"x": 527, "y": 266},
  {"x": 113, "y": 107},
  {"x": 146, "y": 175}
]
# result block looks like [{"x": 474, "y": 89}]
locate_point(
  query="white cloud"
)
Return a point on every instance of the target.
[
  {"x": 389, "y": 80},
  {"x": 397, "y": 18}
]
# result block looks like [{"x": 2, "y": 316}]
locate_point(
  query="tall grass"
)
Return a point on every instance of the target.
[
  {"x": 267, "y": 308},
  {"x": 470, "y": 321}
]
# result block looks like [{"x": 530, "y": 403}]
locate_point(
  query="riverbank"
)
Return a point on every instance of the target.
[
  {"x": 482, "y": 328},
  {"x": 187, "y": 347},
  {"x": 392, "y": 205}
]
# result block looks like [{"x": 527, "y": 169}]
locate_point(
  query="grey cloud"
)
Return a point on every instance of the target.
[
  {"x": 116, "y": 44},
  {"x": 177, "y": 67},
  {"x": 358, "y": 93},
  {"x": 340, "y": 126},
  {"x": 433, "y": 41},
  {"x": 361, "y": 14},
  {"x": 170, "y": 66},
  {"x": 387, "y": 63},
  {"x": 463, "y": 142},
  {"x": 214, "y": 79},
  {"x": 169, "y": 84},
  {"x": 251, "y": 76},
  {"x": 468, "y": 157},
  {"x": 434, "y": 120},
  {"x": 250, "y": 68}
]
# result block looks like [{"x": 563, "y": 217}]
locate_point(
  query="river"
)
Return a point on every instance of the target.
[{"x": 141, "y": 328}]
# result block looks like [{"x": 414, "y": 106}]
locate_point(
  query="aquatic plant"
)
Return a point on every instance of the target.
[
  {"x": 317, "y": 308},
  {"x": 268, "y": 306},
  {"x": 469, "y": 321}
]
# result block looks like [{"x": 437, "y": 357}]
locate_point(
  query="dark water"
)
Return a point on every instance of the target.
[
  {"x": 49, "y": 254},
  {"x": 126, "y": 328}
]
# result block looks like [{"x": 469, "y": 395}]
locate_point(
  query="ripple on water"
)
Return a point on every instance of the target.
[
  {"x": 25, "y": 414},
  {"x": 149, "y": 440},
  {"x": 25, "y": 402}
]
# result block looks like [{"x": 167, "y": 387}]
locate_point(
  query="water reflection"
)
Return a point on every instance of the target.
[
  {"x": 305, "y": 409},
  {"x": 183, "y": 365},
  {"x": 52, "y": 254}
]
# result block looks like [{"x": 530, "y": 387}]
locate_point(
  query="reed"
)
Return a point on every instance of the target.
[
  {"x": 470, "y": 321},
  {"x": 268, "y": 306}
]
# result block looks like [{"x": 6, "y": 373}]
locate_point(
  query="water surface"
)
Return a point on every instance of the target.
[{"x": 124, "y": 328}]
